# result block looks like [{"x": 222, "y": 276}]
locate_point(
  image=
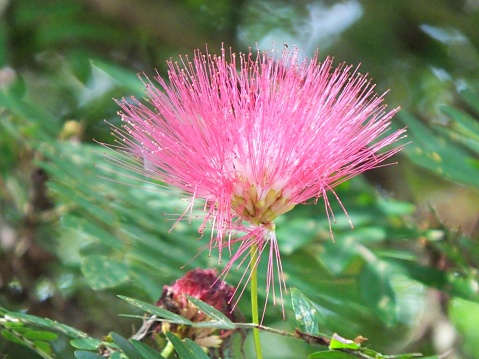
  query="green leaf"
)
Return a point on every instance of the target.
[
  {"x": 31, "y": 319},
  {"x": 11, "y": 337},
  {"x": 128, "y": 349},
  {"x": 449, "y": 282},
  {"x": 471, "y": 98},
  {"x": 219, "y": 319},
  {"x": 438, "y": 154},
  {"x": 198, "y": 352},
  {"x": 85, "y": 344},
  {"x": 83, "y": 354},
  {"x": 43, "y": 346},
  {"x": 126, "y": 78},
  {"x": 331, "y": 354},
  {"x": 103, "y": 272},
  {"x": 463, "y": 129},
  {"x": 304, "y": 312},
  {"x": 160, "y": 312},
  {"x": 145, "y": 350},
  {"x": 183, "y": 350},
  {"x": 40, "y": 335},
  {"x": 376, "y": 289},
  {"x": 338, "y": 342}
]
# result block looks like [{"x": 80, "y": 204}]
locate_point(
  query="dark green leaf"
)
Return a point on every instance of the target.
[
  {"x": 160, "y": 312},
  {"x": 184, "y": 352},
  {"x": 449, "y": 282},
  {"x": 145, "y": 350},
  {"x": 128, "y": 349},
  {"x": 222, "y": 321},
  {"x": 198, "y": 352}
]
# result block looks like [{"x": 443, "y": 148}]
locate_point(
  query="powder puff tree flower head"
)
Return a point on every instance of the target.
[
  {"x": 204, "y": 285},
  {"x": 252, "y": 135}
]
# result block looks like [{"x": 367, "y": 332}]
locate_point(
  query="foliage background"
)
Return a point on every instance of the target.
[{"x": 70, "y": 240}]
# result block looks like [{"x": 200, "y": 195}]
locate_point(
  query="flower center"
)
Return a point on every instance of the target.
[{"x": 260, "y": 207}]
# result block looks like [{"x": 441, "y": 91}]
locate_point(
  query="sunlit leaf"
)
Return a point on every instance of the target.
[{"x": 338, "y": 342}]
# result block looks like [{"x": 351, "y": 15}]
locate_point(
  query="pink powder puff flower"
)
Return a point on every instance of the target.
[{"x": 252, "y": 135}]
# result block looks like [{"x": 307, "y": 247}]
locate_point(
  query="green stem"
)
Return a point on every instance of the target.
[
  {"x": 254, "y": 300},
  {"x": 167, "y": 350}
]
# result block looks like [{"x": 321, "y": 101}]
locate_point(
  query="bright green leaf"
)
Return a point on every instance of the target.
[
  {"x": 40, "y": 335},
  {"x": 338, "y": 342},
  {"x": 11, "y": 337},
  {"x": 43, "y": 346}
]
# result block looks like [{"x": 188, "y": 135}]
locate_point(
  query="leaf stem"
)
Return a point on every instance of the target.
[
  {"x": 254, "y": 300},
  {"x": 166, "y": 352}
]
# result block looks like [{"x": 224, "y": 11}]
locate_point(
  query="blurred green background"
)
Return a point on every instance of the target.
[{"x": 71, "y": 240}]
